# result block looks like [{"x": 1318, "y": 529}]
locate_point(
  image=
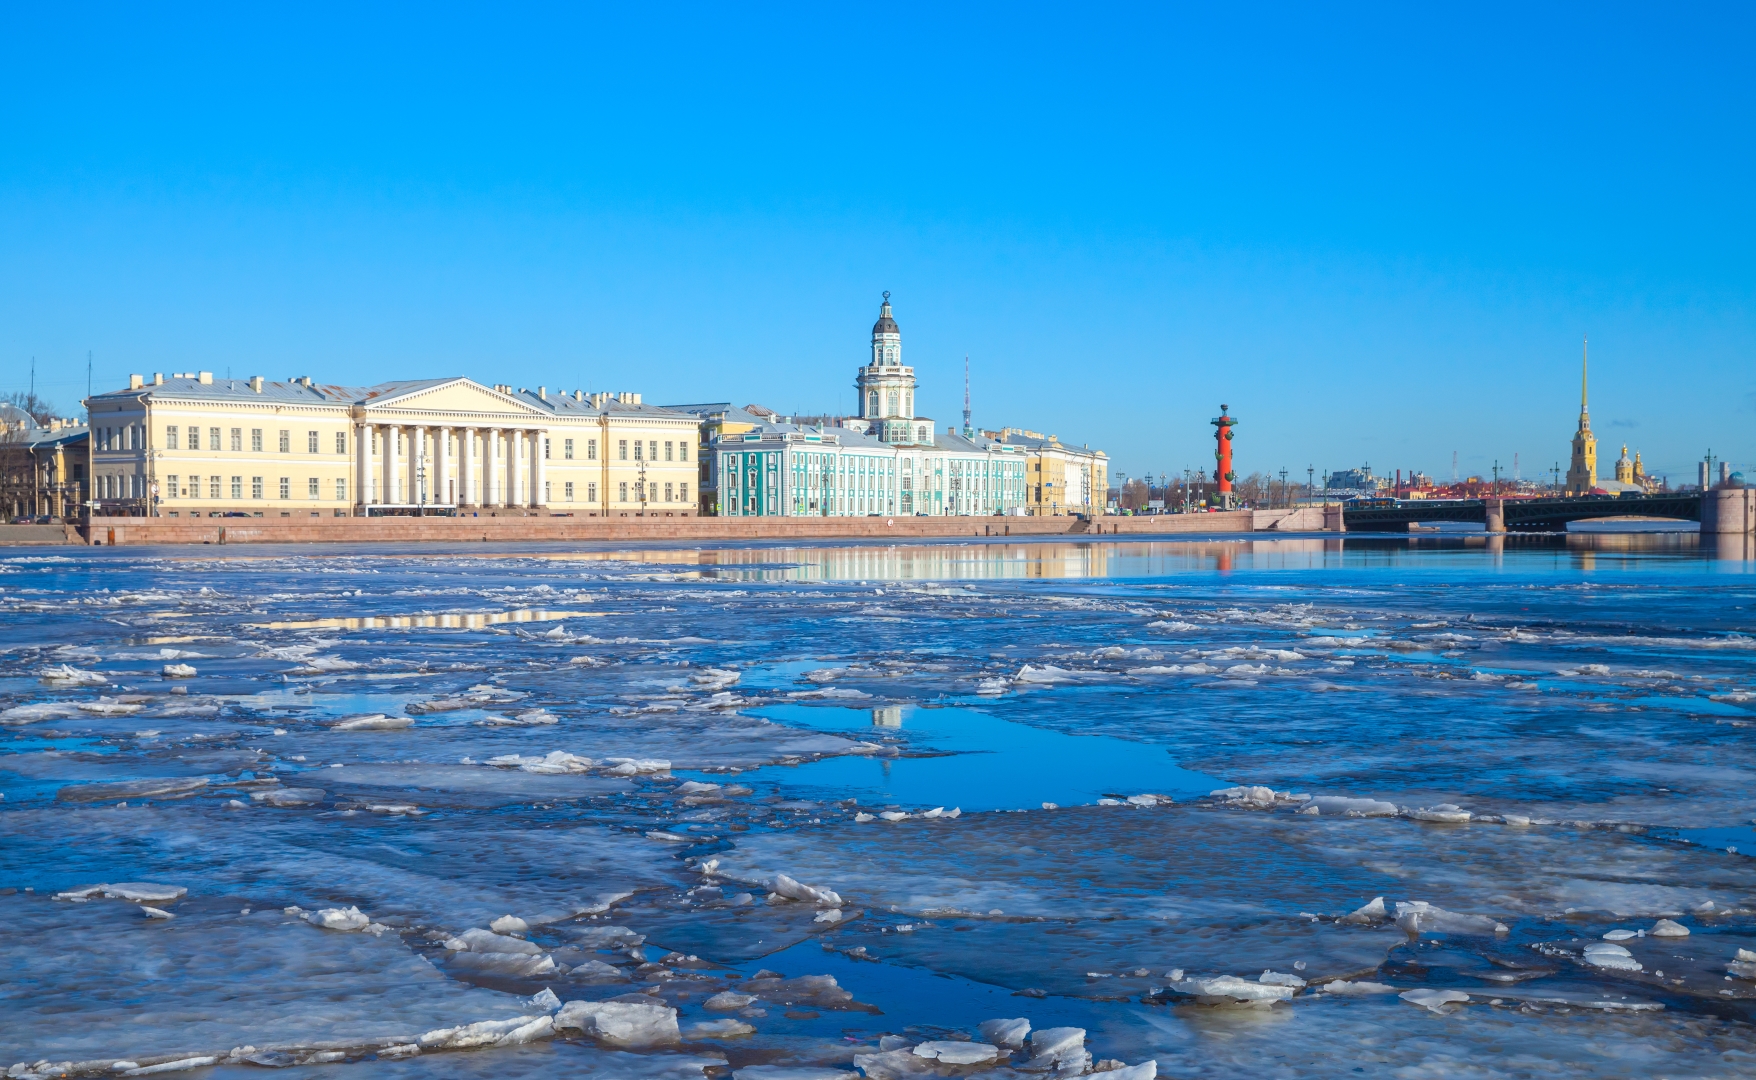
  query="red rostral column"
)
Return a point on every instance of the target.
[{"x": 1222, "y": 456}]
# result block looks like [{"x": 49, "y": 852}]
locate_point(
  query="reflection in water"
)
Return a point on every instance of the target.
[{"x": 466, "y": 621}]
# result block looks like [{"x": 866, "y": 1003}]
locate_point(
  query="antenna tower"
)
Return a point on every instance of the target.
[
  {"x": 969, "y": 432},
  {"x": 1454, "y": 466}
]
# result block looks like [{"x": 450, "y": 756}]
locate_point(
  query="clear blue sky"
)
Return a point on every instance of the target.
[{"x": 1378, "y": 233}]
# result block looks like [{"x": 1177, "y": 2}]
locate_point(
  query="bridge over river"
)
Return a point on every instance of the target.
[{"x": 1520, "y": 515}]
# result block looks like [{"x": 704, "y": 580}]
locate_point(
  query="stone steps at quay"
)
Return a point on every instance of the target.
[
  {"x": 141, "y": 531},
  {"x": 37, "y": 535}
]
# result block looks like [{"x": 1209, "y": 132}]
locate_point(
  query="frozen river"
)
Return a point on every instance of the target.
[{"x": 1413, "y": 808}]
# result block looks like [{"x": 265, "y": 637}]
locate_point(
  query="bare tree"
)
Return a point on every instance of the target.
[{"x": 37, "y": 408}]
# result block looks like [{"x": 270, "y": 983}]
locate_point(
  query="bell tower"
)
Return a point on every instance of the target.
[
  {"x": 1582, "y": 466},
  {"x": 885, "y": 388}
]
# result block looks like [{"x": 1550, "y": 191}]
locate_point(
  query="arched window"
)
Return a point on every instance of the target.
[
  {"x": 921, "y": 433},
  {"x": 908, "y": 404},
  {"x": 892, "y": 399},
  {"x": 872, "y": 403}
]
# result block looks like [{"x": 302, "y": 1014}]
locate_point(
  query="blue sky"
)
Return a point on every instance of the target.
[{"x": 1378, "y": 233}]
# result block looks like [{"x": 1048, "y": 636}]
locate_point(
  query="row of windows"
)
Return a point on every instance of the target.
[
  {"x": 651, "y": 448},
  {"x": 189, "y": 438},
  {"x": 191, "y": 487}
]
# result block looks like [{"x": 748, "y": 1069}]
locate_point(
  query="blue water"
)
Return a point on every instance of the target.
[{"x": 350, "y": 739}]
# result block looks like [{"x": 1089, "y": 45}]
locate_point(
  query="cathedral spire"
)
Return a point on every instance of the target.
[{"x": 1584, "y": 372}]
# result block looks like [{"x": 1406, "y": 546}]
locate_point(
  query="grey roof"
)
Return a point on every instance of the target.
[
  {"x": 289, "y": 392},
  {"x": 717, "y": 410},
  {"x": 40, "y": 438},
  {"x": 885, "y": 324}
]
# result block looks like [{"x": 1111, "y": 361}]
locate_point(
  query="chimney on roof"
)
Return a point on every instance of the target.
[
  {"x": 206, "y": 378},
  {"x": 543, "y": 392},
  {"x": 135, "y": 382},
  {"x": 579, "y": 395},
  {"x": 158, "y": 378},
  {"x": 256, "y": 383}
]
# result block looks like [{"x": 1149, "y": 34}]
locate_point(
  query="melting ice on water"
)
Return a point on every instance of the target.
[{"x": 789, "y": 820}]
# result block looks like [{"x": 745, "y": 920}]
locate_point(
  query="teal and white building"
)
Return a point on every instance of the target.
[{"x": 887, "y": 461}]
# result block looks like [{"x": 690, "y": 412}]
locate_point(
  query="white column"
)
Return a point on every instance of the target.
[
  {"x": 442, "y": 465},
  {"x": 514, "y": 445},
  {"x": 417, "y": 458},
  {"x": 362, "y": 465},
  {"x": 387, "y": 433},
  {"x": 539, "y": 469},
  {"x": 466, "y": 467},
  {"x": 491, "y": 476}
]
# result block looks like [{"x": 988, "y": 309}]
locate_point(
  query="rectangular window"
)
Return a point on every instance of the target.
[
  {"x": 652, "y": 451},
  {"x": 637, "y": 450},
  {"x": 341, "y": 491},
  {"x": 682, "y": 451},
  {"x": 567, "y": 488},
  {"x": 667, "y": 450},
  {"x": 667, "y": 492},
  {"x": 547, "y": 488},
  {"x": 286, "y": 488},
  {"x": 591, "y": 493},
  {"x": 213, "y": 487},
  {"x": 310, "y": 442},
  {"x": 237, "y": 486},
  {"x": 621, "y": 449},
  {"x": 171, "y": 490},
  {"x": 256, "y": 440},
  {"x": 256, "y": 487},
  {"x": 194, "y": 489},
  {"x": 545, "y": 448},
  {"x": 567, "y": 449},
  {"x": 237, "y": 438},
  {"x": 311, "y": 488},
  {"x": 213, "y": 438},
  {"x": 286, "y": 441},
  {"x": 622, "y": 492},
  {"x": 341, "y": 442},
  {"x": 591, "y": 449},
  {"x": 682, "y": 492},
  {"x": 171, "y": 437}
]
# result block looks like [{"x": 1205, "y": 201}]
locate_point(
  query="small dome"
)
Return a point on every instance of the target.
[{"x": 885, "y": 324}]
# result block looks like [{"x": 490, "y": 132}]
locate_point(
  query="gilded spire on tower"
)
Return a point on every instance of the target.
[
  {"x": 1584, "y": 371},
  {"x": 1582, "y": 466}
]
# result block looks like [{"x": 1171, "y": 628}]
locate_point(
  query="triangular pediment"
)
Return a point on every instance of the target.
[{"x": 463, "y": 397}]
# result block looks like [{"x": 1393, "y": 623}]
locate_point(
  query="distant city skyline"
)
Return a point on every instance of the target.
[{"x": 1378, "y": 234}]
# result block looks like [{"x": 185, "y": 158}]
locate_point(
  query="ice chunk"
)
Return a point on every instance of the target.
[
  {"x": 1146, "y": 1070},
  {"x": 1046, "y": 675},
  {"x": 1338, "y": 806},
  {"x": 143, "y": 892},
  {"x": 1447, "y": 813},
  {"x": 1434, "y": 1000},
  {"x": 719, "y": 1029},
  {"x": 1006, "y": 1033},
  {"x": 957, "y": 1053},
  {"x": 726, "y": 1001},
  {"x": 130, "y": 789},
  {"x": 793, "y": 1072},
  {"x": 68, "y": 675},
  {"x": 179, "y": 1065},
  {"x": 1369, "y": 913},
  {"x": 509, "y": 924},
  {"x": 178, "y": 671},
  {"x": 486, "y": 941},
  {"x": 504, "y": 964},
  {"x": 293, "y": 796},
  {"x": 694, "y": 787},
  {"x": 1620, "y": 935},
  {"x": 795, "y": 890},
  {"x": 347, "y": 918},
  {"x": 623, "y": 766},
  {"x": 1668, "y": 928},
  {"x": 1343, "y": 986},
  {"x": 371, "y": 722},
  {"x": 1417, "y": 917},
  {"x": 620, "y": 1023},
  {"x": 519, "y": 1029},
  {"x": 1061, "y": 1049},
  {"x": 1233, "y": 988},
  {"x": 104, "y": 707},
  {"x": 155, "y": 913},
  {"x": 43, "y": 710},
  {"x": 546, "y": 1001},
  {"x": 1276, "y": 978},
  {"x": 594, "y": 970},
  {"x": 1606, "y": 955}
]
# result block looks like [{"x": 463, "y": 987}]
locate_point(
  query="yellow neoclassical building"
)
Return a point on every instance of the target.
[{"x": 193, "y": 446}]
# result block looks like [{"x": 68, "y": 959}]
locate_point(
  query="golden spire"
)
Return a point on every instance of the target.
[{"x": 1584, "y": 371}]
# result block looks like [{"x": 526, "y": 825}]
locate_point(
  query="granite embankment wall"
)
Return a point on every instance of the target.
[{"x": 137, "y": 531}]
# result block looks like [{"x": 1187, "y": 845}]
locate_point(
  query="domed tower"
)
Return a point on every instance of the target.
[
  {"x": 1582, "y": 466},
  {"x": 1624, "y": 467},
  {"x": 886, "y": 389}
]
